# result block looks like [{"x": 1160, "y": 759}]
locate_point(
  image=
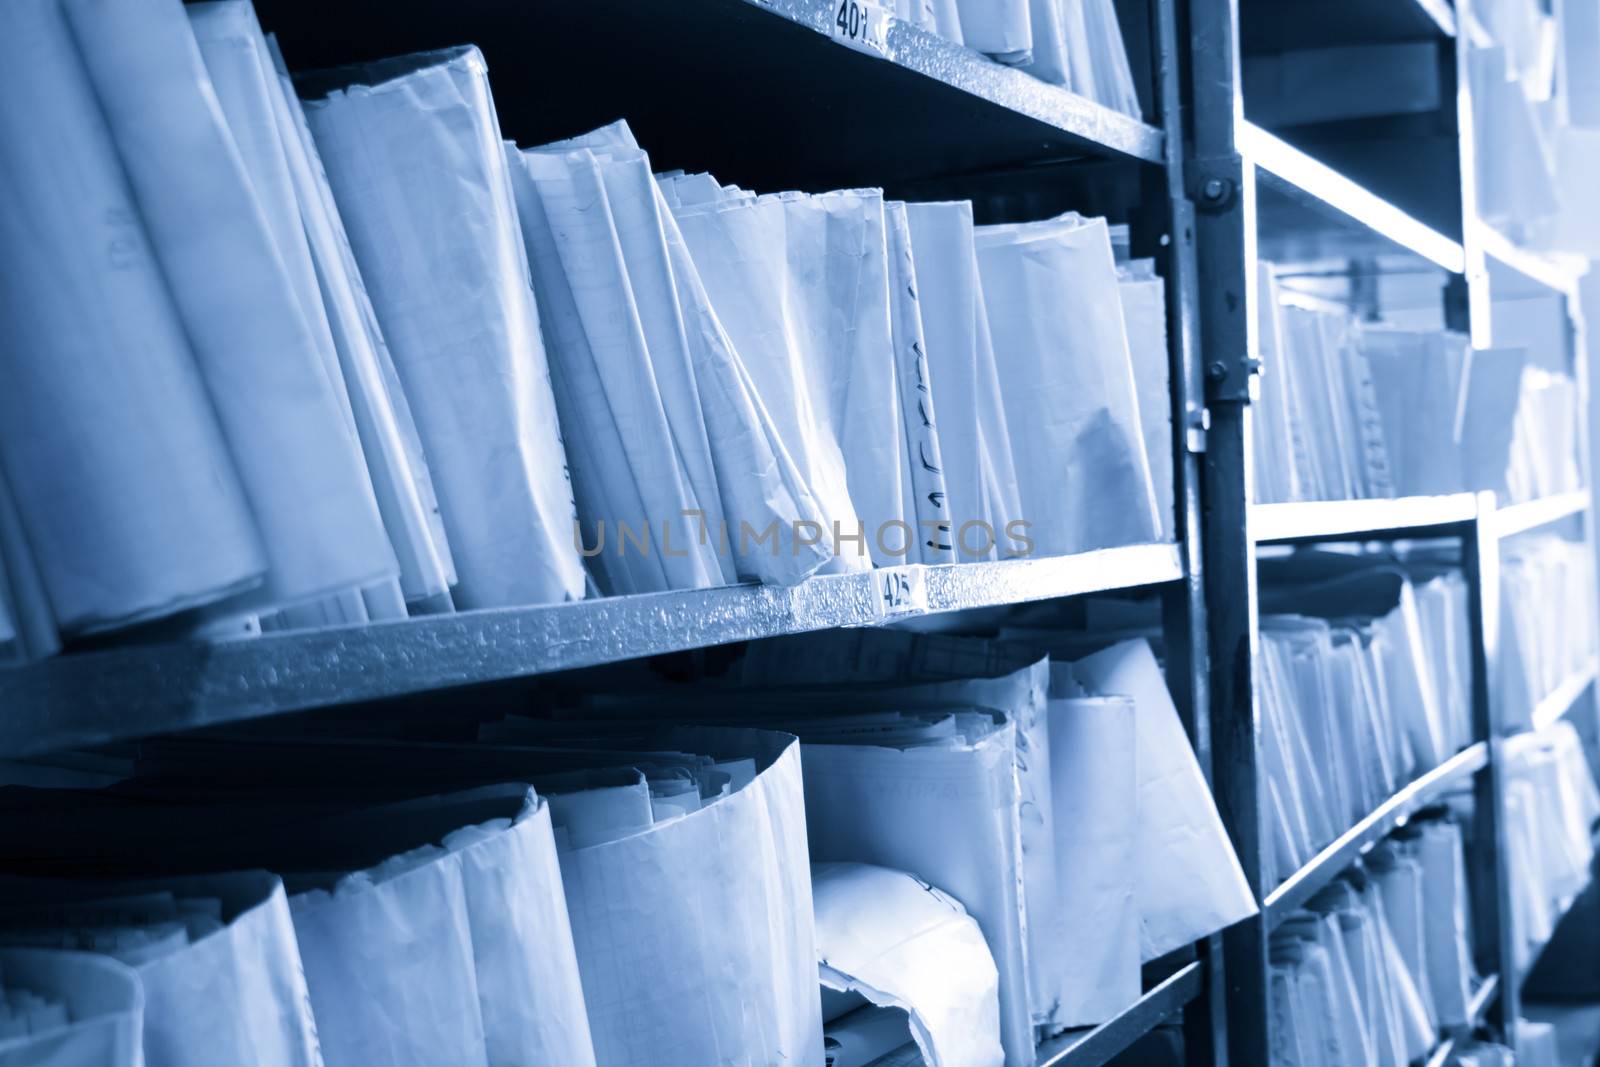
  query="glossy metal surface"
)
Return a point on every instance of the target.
[
  {"x": 1374, "y": 520},
  {"x": 1092, "y": 1048},
  {"x": 1554, "y": 707},
  {"x": 94, "y": 697},
  {"x": 1387, "y": 817},
  {"x": 1290, "y": 172}
]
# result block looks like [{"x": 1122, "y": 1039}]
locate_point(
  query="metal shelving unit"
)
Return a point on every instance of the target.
[
  {"x": 1370, "y": 195},
  {"x": 1203, "y": 190},
  {"x": 917, "y": 113}
]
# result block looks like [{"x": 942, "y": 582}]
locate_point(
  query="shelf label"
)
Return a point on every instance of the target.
[
  {"x": 900, "y": 590},
  {"x": 862, "y": 25}
]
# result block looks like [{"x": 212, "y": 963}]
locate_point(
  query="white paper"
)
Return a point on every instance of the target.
[
  {"x": 999, "y": 27},
  {"x": 1144, "y": 314},
  {"x": 1067, "y": 383},
  {"x": 740, "y": 252},
  {"x": 635, "y": 435},
  {"x": 1190, "y": 882},
  {"x": 903, "y": 808},
  {"x": 418, "y": 171},
  {"x": 389, "y": 439},
  {"x": 695, "y": 938},
  {"x": 112, "y": 451},
  {"x": 980, "y": 475},
  {"x": 1094, "y": 778},
  {"x": 905, "y": 944},
  {"x": 282, "y": 415},
  {"x": 927, "y": 505}
]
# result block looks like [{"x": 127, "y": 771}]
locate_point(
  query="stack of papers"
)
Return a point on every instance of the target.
[
  {"x": 413, "y": 156},
  {"x": 1547, "y": 621},
  {"x": 189, "y": 940},
  {"x": 1351, "y": 410},
  {"x": 389, "y": 365},
  {"x": 1067, "y": 384},
  {"x": 1551, "y": 805},
  {"x": 1545, "y": 438},
  {"x": 1363, "y": 691},
  {"x": 899, "y": 942},
  {"x": 1377, "y": 963},
  {"x": 1078, "y": 46},
  {"x": 69, "y": 1008}
]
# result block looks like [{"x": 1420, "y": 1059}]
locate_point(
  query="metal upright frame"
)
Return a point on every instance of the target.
[{"x": 1230, "y": 159}]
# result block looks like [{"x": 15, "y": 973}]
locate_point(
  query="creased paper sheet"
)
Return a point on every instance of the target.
[
  {"x": 111, "y": 449},
  {"x": 927, "y": 505},
  {"x": 247, "y": 974},
  {"x": 1144, "y": 315},
  {"x": 1001, "y": 28},
  {"x": 948, "y": 814},
  {"x": 454, "y": 954},
  {"x": 390, "y": 443},
  {"x": 903, "y": 943},
  {"x": 1190, "y": 881},
  {"x": 740, "y": 253},
  {"x": 838, "y": 304},
  {"x": 1095, "y": 808},
  {"x": 732, "y": 457},
  {"x": 103, "y": 1002},
  {"x": 695, "y": 937},
  {"x": 635, "y": 434},
  {"x": 980, "y": 475},
  {"x": 1067, "y": 383},
  {"x": 414, "y": 156},
  {"x": 285, "y": 417}
]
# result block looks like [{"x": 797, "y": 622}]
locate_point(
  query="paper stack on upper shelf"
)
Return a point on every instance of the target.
[{"x": 401, "y": 368}]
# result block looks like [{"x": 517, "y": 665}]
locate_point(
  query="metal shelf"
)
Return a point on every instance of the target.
[
  {"x": 1554, "y": 707},
  {"x": 1338, "y": 202},
  {"x": 1482, "y": 997},
  {"x": 1553, "y": 272},
  {"x": 1376, "y": 520},
  {"x": 809, "y": 113},
  {"x": 94, "y": 697},
  {"x": 1520, "y": 518},
  {"x": 1390, "y": 815},
  {"x": 1091, "y": 1048}
]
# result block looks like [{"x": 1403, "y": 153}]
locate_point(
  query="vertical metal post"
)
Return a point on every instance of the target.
[
  {"x": 1222, "y": 188},
  {"x": 1205, "y": 1019},
  {"x": 1494, "y": 938}
]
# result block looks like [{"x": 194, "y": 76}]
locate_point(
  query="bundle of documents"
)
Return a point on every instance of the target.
[
  {"x": 1123, "y": 854},
  {"x": 1517, "y": 130},
  {"x": 70, "y": 1009},
  {"x": 189, "y": 440},
  {"x": 1350, "y": 410},
  {"x": 1545, "y": 438},
  {"x": 1075, "y": 45},
  {"x": 224, "y": 941},
  {"x": 1067, "y": 383},
  {"x": 414, "y": 160},
  {"x": 664, "y": 430},
  {"x": 1363, "y": 690},
  {"x": 1377, "y": 964},
  {"x": 899, "y": 942},
  {"x": 1551, "y": 807},
  {"x": 1547, "y": 622}
]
